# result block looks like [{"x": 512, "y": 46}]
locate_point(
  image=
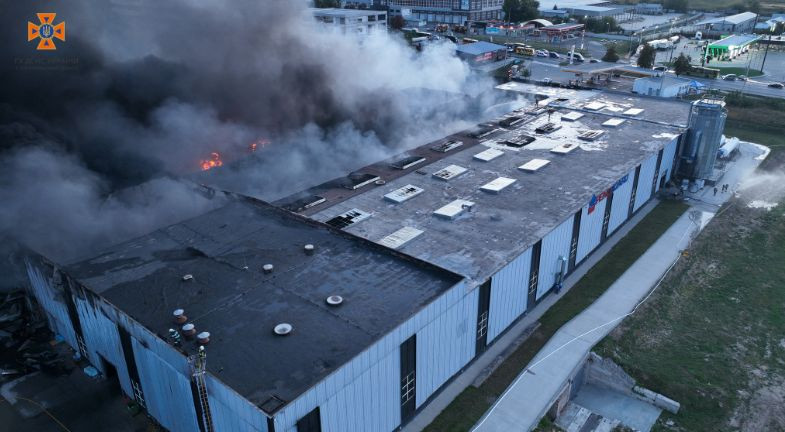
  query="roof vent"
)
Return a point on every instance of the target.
[
  {"x": 189, "y": 330},
  {"x": 334, "y": 300},
  {"x": 572, "y": 116},
  {"x": 548, "y": 128},
  {"x": 633, "y": 111},
  {"x": 534, "y": 165},
  {"x": 594, "y": 106},
  {"x": 404, "y": 193},
  {"x": 267, "y": 268},
  {"x": 309, "y": 248},
  {"x": 591, "y": 135},
  {"x": 188, "y": 277},
  {"x": 520, "y": 141},
  {"x": 348, "y": 218},
  {"x": 283, "y": 329},
  {"x": 454, "y": 209},
  {"x": 614, "y": 122},
  {"x": 510, "y": 121},
  {"x": 203, "y": 338},
  {"x": 564, "y": 148},
  {"x": 447, "y": 146},
  {"x": 304, "y": 203},
  {"x": 408, "y": 162},
  {"x": 355, "y": 181},
  {"x": 497, "y": 185},
  {"x": 400, "y": 237},
  {"x": 488, "y": 155},
  {"x": 482, "y": 131},
  {"x": 179, "y": 316},
  {"x": 449, "y": 172}
]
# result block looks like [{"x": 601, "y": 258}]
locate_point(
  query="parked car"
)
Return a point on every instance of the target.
[
  {"x": 577, "y": 57},
  {"x": 742, "y": 77},
  {"x": 776, "y": 85},
  {"x": 593, "y": 61},
  {"x": 660, "y": 68},
  {"x": 546, "y": 81},
  {"x": 542, "y": 53},
  {"x": 729, "y": 77},
  {"x": 554, "y": 55}
]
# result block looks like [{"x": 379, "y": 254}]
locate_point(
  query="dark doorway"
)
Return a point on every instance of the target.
[
  {"x": 483, "y": 311},
  {"x": 662, "y": 180},
  {"x": 534, "y": 274},
  {"x": 110, "y": 373},
  {"x": 311, "y": 422},
  {"x": 408, "y": 378}
]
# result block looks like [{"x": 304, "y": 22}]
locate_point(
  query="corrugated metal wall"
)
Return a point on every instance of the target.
[
  {"x": 591, "y": 229},
  {"x": 52, "y": 303},
  {"x": 357, "y": 385},
  {"x": 621, "y": 203},
  {"x": 445, "y": 345},
  {"x": 667, "y": 159},
  {"x": 508, "y": 294},
  {"x": 644, "y": 181},
  {"x": 230, "y": 411},
  {"x": 554, "y": 245},
  {"x": 101, "y": 337},
  {"x": 167, "y": 390}
]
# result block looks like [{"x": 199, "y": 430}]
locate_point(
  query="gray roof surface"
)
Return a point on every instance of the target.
[
  {"x": 501, "y": 226},
  {"x": 240, "y": 305},
  {"x": 735, "y": 40},
  {"x": 665, "y": 80}
]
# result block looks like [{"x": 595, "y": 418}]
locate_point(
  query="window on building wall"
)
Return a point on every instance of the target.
[{"x": 310, "y": 422}]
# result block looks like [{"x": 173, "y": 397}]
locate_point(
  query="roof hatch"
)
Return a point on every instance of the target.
[
  {"x": 488, "y": 155},
  {"x": 404, "y": 193},
  {"x": 447, "y": 146},
  {"x": 407, "y": 162},
  {"x": 497, "y": 185},
  {"x": 454, "y": 209},
  {"x": 400, "y": 237},
  {"x": 572, "y": 116},
  {"x": 348, "y": 218},
  {"x": 449, "y": 172},
  {"x": 534, "y": 165}
]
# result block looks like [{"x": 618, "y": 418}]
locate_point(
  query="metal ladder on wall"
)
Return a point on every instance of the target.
[{"x": 198, "y": 364}]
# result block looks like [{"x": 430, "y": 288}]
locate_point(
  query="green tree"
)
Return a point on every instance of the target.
[
  {"x": 327, "y": 3},
  {"x": 610, "y": 55},
  {"x": 682, "y": 64},
  {"x": 646, "y": 58},
  {"x": 520, "y": 10},
  {"x": 397, "y": 22}
]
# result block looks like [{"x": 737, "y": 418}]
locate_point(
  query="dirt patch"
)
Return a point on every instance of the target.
[{"x": 765, "y": 408}]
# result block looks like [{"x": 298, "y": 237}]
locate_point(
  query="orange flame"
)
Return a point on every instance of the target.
[
  {"x": 260, "y": 143},
  {"x": 214, "y": 161}
]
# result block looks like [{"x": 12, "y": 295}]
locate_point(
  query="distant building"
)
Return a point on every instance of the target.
[
  {"x": 352, "y": 21},
  {"x": 479, "y": 53},
  {"x": 663, "y": 86},
  {"x": 649, "y": 9},
  {"x": 739, "y": 23},
  {"x": 613, "y": 11},
  {"x": 446, "y": 11}
]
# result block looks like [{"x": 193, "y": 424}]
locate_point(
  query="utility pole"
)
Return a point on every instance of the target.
[{"x": 766, "y": 53}]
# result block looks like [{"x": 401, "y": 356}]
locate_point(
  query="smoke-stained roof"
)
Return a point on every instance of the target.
[
  {"x": 231, "y": 297},
  {"x": 499, "y": 227}
]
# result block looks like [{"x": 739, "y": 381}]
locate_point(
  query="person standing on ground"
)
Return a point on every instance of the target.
[{"x": 715, "y": 191}]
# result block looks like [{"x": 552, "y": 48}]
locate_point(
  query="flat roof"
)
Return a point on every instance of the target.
[
  {"x": 666, "y": 80},
  {"x": 239, "y": 304},
  {"x": 734, "y": 41},
  {"x": 497, "y": 227},
  {"x": 480, "y": 47},
  {"x": 731, "y": 19},
  {"x": 605, "y": 67}
]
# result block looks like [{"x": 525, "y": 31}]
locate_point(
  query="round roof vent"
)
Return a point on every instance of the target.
[
  {"x": 308, "y": 249},
  {"x": 188, "y": 327},
  {"x": 267, "y": 268},
  {"x": 283, "y": 329},
  {"x": 203, "y": 337},
  {"x": 187, "y": 277},
  {"x": 178, "y": 312},
  {"x": 334, "y": 300},
  {"x": 380, "y": 182}
]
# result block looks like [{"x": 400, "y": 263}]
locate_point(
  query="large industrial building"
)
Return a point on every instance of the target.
[
  {"x": 446, "y": 11},
  {"x": 348, "y": 306}
]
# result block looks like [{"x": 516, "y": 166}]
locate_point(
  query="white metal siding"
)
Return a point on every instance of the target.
[
  {"x": 667, "y": 160},
  {"x": 101, "y": 337},
  {"x": 644, "y": 181},
  {"x": 230, "y": 411},
  {"x": 369, "y": 403},
  {"x": 554, "y": 245},
  {"x": 52, "y": 302},
  {"x": 591, "y": 229},
  {"x": 167, "y": 391},
  {"x": 508, "y": 294},
  {"x": 355, "y": 386},
  {"x": 445, "y": 345},
  {"x": 621, "y": 203}
]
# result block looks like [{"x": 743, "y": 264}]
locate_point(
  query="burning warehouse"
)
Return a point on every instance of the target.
[{"x": 352, "y": 314}]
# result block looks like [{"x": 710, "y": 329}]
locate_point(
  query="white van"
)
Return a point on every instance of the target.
[{"x": 578, "y": 57}]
